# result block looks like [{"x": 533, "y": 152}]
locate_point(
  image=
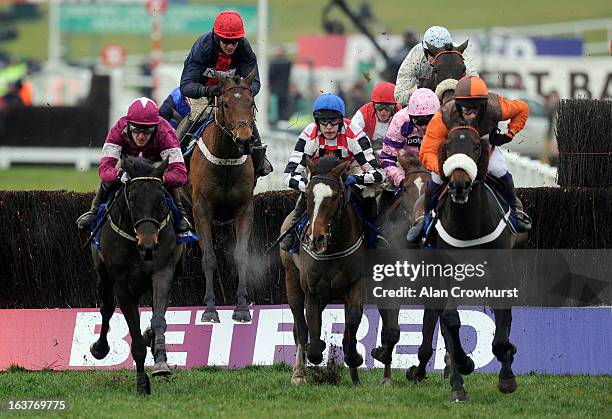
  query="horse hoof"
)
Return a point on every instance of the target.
[
  {"x": 446, "y": 372},
  {"x": 210, "y": 316},
  {"x": 161, "y": 369},
  {"x": 298, "y": 380},
  {"x": 458, "y": 396},
  {"x": 353, "y": 361},
  {"x": 143, "y": 385},
  {"x": 507, "y": 385},
  {"x": 379, "y": 355},
  {"x": 315, "y": 357},
  {"x": 99, "y": 353},
  {"x": 467, "y": 367},
  {"x": 148, "y": 336},
  {"x": 241, "y": 316},
  {"x": 387, "y": 382},
  {"x": 413, "y": 375}
]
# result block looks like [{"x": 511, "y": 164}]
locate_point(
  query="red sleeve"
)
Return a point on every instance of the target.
[{"x": 111, "y": 153}]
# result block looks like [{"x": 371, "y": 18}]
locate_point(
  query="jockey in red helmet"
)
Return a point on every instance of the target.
[
  {"x": 374, "y": 117},
  {"x": 224, "y": 49},
  {"x": 140, "y": 132}
]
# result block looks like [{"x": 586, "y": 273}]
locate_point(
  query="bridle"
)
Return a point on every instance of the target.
[
  {"x": 219, "y": 108},
  {"x": 436, "y": 57}
]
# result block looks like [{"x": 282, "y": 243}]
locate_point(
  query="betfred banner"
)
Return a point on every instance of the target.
[{"x": 553, "y": 341}]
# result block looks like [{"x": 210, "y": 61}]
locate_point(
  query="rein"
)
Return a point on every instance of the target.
[
  {"x": 241, "y": 123},
  {"x": 159, "y": 225}
]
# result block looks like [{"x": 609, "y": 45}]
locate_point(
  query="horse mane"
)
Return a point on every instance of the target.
[
  {"x": 326, "y": 164},
  {"x": 449, "y": 47}
]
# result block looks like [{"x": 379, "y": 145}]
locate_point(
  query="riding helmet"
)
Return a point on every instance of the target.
[{"x": 228, "y": 25}]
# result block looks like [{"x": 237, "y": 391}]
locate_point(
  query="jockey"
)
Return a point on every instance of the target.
[
  {"x": 374, "y": 117},
  {"x": 418, "y": 62},
  {"x": 140, "y": 132},
  {"x": 175, "y": 107},
  {"x": 406, "y": 131},
  {"x": 224, "y": 49},
  {"x": 331, "y": 134},
  {"x": 473, "y": 105}
]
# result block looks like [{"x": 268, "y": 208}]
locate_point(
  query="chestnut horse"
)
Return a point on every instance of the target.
[{"x": 222, "y": 179}]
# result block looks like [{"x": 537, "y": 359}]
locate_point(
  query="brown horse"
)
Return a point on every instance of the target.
[
  {"x": 396, "y": 221},
  {"x": 467, "y": 221},
  {"x": 222, "y": 181},
  {"x": 327, "y": 267}
]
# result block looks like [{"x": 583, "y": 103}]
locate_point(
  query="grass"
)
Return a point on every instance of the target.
[
  {"x": 290, "y": 18},
  {"x": 265, "y": 392},
  {"x": 23, "y": 178}
]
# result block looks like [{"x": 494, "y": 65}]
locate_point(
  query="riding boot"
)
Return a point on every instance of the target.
[
  {"x": 288, "y": 241},
  {"x": 85, "y": 220},
  {"x": 522, "y": 222},
  {"x": 422, "y": 206},
  {"x": 183, "y": 224},
  {"x": 261, "y": 164}
]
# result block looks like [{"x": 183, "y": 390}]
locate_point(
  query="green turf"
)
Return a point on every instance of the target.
[
  {"x": 264, "y": 392},
  {"x": 48, "y": 178},
  {"x": 288, "y": 19}
]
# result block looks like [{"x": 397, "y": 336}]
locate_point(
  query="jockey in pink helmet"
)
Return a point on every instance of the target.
[
  {"x": 374, "y": 117},
  {"x": 406, "y": 131},
  {"x": 141, "y": 132}
]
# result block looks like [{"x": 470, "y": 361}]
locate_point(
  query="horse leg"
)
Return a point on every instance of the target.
[
  {"x": 353, "y": 311},
  {"x": 504, "y": 350},
  {"x": 295, "y": 298},
  {"x": 389, "y": 336},
  {"x": 100, "y": 348},
  {"x": 417, "y": 373},
  {"x": 162, "y": 282},
  {"x": 203, "y": 214},
  {"x": 241, "y": 257},
  {"x": 127, "y": 302},
  {"x": 314, "y": 309},
  {"x": 461, "y": 364}
]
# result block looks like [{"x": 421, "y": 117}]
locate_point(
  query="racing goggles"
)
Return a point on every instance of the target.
[
  {"x": 227, "y": 41},
  {"x": 389, "y": 107},
  {"x": 141, "y": 129},
  {"x": 420, "y": 120},
  {"x": 329, "y": 121}
]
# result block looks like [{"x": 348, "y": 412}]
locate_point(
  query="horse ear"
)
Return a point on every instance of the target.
[
  {"x": 161, "y": 169},
  {"x": 249, "y": 79},
  {"x": 432, "y": 50},
  {"x": 406, "y": 161},
  {"x": 127, "y": 164},
  {"x": 461, "y": 48},
  {"x": 311, "y": 166},
  {"x": 221, "y": 77},
  {"x": 339, "y": 170},
  {"x": 441, "y": 160}
]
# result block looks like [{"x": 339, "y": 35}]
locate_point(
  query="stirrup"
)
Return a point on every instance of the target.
[
  {"x": 81, "y": 225},
  {"x": 416, "y": 233}
]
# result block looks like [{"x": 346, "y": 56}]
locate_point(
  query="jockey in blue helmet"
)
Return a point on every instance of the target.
[{"x": 332, "y": 134}]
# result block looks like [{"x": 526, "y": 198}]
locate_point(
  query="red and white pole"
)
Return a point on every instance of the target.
[{"x": 156, "y": 54}]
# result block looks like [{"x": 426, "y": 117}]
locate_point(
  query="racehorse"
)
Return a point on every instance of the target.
[
  {"x": 447, "y": 64},
  {"x": 222, "y": 179},
  {"x": 467, "y": 220},
  {"x": 138, "y": 252},
  {"x": 327, "y": 267},
  {"x": 396, "y": 221}
]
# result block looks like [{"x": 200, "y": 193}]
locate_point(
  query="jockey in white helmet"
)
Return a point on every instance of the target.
[{"x": 418, "y": 61}]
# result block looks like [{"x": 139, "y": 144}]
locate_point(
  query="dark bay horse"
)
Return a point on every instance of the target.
[
  {"x": 138, "y": 252},
  {"x": 327, "y": 268},
  {"x": 467, "y": 221},
  {"x": 447, "y": 64},
  {"x": 223, "y": 180},
  {"x": 396, "y": 221}
]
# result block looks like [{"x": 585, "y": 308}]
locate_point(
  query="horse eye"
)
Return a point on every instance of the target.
[{"x": 225, "y": 105}]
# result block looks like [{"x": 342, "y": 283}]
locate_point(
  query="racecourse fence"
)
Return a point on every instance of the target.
[{"x": 42, "y": 263}]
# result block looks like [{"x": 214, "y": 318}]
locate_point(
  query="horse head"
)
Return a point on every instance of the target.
[
  {"x": 144, "y": 196},
  {"x": 326, "y": 197},
  {"x": 416, "y": 177},
  {"x": 447, "y": 64},
  {"x": 464, "y": 158},
  {"x": 235, "y": 111}
]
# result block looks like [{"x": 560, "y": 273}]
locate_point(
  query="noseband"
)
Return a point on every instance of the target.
[{"x": 241, "y": 123}]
